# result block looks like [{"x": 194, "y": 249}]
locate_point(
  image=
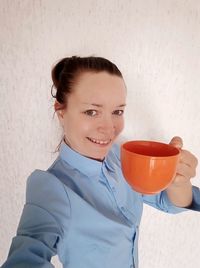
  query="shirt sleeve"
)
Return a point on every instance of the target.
[
  {"x": 162, "y": 202},
  {"x": 195, "y": 206},
  {"x": 42, "y": 225}
]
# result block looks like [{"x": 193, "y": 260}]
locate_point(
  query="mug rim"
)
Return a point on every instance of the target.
[{"x": 177, "y": 153}]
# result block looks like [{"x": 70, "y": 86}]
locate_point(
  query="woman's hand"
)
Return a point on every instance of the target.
[
  {"x": 180, "y": 190},
  {"x": 186, "y": 168}
]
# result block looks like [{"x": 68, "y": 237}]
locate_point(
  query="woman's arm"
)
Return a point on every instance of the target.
[
  {"x": 36, "y": 241},
  {"x": 45, "y": 215}
]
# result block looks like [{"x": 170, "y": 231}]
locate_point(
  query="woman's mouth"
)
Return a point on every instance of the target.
[{"x": 100, "y": 142}]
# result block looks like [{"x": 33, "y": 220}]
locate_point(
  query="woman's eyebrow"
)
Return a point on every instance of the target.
[
  {"x": 122, "y": 105},
  {"x": 100, "y": 105}
]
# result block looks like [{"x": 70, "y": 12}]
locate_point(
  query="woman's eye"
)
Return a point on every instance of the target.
[
  {"x": 91, "y": 112},
  {"x": 118, "y": 112}
]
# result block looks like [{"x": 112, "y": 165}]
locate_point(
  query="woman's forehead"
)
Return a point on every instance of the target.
[
  {"x": 99, "y": 79},
  {"x": 98, "y": 90},
  {"x": 94, "y": 85}
]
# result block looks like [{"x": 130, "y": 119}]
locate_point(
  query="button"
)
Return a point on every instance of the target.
[{"x": 113, "y": 189}]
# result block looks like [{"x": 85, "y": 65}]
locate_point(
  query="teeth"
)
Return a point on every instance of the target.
[{"x": 99, "y": 141}]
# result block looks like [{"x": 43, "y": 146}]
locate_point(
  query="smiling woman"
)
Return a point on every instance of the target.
[
  {"x": 81, "y": 208},
  {"x": 90, "y": 101},
  {"x": 93, "y": 116}
]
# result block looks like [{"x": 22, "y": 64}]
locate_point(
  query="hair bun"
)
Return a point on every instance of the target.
[{"x": 57, "y": 71}]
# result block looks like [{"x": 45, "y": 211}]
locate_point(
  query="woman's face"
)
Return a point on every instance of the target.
[{"x": 93, "y": 117}]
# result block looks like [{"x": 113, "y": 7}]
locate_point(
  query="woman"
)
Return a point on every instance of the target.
[{"x": 81, "y": 208}]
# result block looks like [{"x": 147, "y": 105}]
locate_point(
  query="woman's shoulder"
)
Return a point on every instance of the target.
[
  {"x": 43, "y": 187},
  {"x": 47, "y": 210}
]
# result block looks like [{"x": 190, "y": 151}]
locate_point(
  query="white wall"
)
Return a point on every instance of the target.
[{"x": 156, "y": 43}]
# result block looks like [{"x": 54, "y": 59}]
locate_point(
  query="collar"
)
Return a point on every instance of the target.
[{"x": 85, "y": 165}]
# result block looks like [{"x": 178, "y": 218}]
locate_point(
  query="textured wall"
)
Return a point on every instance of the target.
[{"x": 156, "y": 43}]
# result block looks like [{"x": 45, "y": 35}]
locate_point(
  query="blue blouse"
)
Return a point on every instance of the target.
[{"x": 84, "y": 211}]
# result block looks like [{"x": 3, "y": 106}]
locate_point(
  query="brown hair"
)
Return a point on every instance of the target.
[{"x": 66, "y": 71}]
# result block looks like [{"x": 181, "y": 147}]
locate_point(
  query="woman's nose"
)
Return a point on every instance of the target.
[{"x": 106, "y": 126}]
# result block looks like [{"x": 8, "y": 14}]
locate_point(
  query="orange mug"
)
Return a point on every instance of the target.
[{"x": 149, "y": 166}]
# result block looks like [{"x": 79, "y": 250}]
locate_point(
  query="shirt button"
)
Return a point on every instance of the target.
[{"x": 113, "y": 189}]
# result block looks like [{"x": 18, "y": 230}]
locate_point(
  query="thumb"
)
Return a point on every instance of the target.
[{"x": 176, "y": 142}]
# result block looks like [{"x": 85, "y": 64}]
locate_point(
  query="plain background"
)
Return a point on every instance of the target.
[{"x": 155, "y": 43}]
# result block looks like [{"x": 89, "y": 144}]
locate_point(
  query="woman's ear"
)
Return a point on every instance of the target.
[{"x": 59, "y": 109}]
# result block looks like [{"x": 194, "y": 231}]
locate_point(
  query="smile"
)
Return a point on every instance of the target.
[{"x": 101, "y": 142}]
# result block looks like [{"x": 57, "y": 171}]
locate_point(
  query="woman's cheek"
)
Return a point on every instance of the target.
[{"x": 120, "y": 126}]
